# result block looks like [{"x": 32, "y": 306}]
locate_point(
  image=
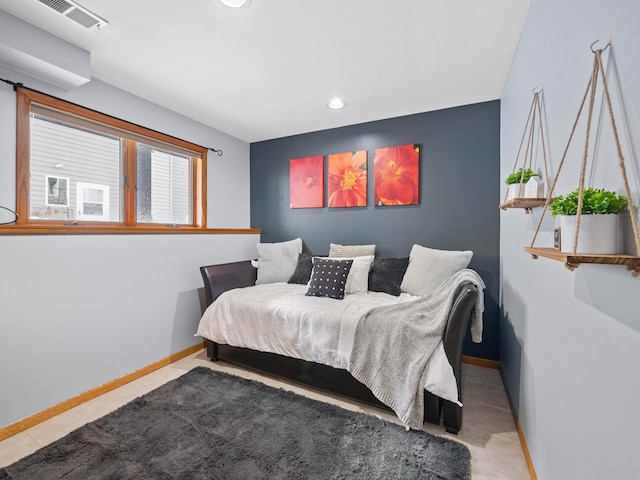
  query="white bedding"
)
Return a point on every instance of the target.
[{"x": 280, "y": 318}]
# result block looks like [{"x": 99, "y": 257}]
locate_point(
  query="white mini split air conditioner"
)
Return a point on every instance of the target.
[{"x": 28, "y": 50}]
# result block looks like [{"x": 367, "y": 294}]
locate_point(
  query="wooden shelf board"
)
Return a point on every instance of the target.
[
  {"x": 573, "y": 261},
  {"x": 526, "y": 203}
]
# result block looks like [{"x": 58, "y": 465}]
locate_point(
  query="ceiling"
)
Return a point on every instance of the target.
[{"x": 268, "y": 70}]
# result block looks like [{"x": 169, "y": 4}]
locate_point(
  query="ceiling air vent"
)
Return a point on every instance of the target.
[{"x": 75, "y": 12}]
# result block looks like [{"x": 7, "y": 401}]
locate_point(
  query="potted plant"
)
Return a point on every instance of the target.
[
  {"x": 515, "y": 182},
  {"x": 598, "y": 220}
]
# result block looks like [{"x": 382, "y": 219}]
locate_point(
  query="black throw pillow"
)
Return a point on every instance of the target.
[
  {"x": 329, "y": 278},
  {"x": 302, "y": 273},
  {"x": 386, "y": 275}
]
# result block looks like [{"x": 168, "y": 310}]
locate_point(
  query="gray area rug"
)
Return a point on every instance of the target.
[{"x": 211, "y": 425}]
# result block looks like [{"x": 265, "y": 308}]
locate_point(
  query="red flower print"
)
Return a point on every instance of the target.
[
  {"x": 348, "y": 179},
  {"x": 306, "y": 182},
  {"x": 396, "y": 172}
]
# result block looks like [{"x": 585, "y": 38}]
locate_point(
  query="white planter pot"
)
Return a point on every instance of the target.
[
  {"x": 598, "y": 234},
  {"x": 515, "y": 191}
]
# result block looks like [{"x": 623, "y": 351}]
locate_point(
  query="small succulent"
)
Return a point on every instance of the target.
[
  {"x": 516, "y": 177},
  {"x": 594, "y": 201}
]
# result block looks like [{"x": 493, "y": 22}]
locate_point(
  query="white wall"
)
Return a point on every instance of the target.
[
  {"x": 79, "y": 311},
  {"x": 570, "y": 341}
]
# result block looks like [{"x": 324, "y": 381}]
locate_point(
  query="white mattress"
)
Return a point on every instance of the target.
[{"x": 280, "y": 318}]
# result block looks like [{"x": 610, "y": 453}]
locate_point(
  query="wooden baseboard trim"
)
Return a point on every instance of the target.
[
  {"x": 481, "y": 362},
  {"x": 525, "y": 451},
  {"x": 51, "y": 412},
  {"x": 523, "y": 440}
]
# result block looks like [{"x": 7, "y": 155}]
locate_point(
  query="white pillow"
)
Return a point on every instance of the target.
[
  {"x": 277, "y": 261},
  {"x": 429, "y": 267},
  {"x": 358, "y": 279},
  {"x": 336, "y": 250}
]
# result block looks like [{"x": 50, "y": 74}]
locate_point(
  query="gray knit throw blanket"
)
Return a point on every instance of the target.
[{"x": 393, "y": 344}]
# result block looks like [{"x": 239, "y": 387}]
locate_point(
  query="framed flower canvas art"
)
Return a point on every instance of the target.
[
  {"x": 306, "y": 182},
  {"x": 348, "y": 179},
  {"x": 396, "y": 172}
]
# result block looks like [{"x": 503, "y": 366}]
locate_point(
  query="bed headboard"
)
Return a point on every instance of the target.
[{"x": 220, "y": 278}]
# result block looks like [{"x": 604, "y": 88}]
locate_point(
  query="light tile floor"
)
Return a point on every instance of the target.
[{"x": 487, "y": 427}]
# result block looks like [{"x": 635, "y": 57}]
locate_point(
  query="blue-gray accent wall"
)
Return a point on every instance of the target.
[{"x": 459, "y": 194}]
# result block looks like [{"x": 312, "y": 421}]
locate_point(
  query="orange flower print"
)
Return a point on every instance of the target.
[
  {"x": 348, "y": 179},
  {"x": 306, "y": 182},
  {"x": 396, "y": 173}
]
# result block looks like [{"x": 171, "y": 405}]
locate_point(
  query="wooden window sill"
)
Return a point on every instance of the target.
[{"x": 80, "y": 229}]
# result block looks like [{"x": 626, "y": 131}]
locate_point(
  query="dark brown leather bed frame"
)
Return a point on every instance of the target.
[{"x": 220, "y": 278}]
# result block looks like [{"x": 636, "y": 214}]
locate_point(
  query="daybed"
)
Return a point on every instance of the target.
[{"x": 280, "y": 328}]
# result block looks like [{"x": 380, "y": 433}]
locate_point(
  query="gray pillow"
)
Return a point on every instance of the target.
[
  {"x": 386, "y": 275},
  {"x": 277, "y": 261},
  {"x": 429, "y": 267},
  {"x": 336, "y": 250},
  {"x": 302, "y": 273}
]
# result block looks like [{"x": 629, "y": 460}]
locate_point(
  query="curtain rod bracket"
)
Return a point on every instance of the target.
[
  {"x": 9, "y": 82},
  {"x": 15, "y": 85},
  {"x": 219, "y": 152}
]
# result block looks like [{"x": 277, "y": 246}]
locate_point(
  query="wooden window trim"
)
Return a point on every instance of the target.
[
  {"x": 130, "y": 197},
  {"x": 111, "y": 229},
  {"x": 25, "y": 99}
]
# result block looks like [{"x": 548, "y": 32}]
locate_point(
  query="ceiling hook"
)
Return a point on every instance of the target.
[{"x": 533, "y": 90}]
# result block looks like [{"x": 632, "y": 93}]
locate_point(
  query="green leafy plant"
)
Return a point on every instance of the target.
[
  {"x": 594, "y": 201},
  {"x": 515, "y": 177}
]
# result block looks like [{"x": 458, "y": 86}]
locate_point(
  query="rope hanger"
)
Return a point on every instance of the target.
[
  {"x": 596, "y": 72},
  {"x": 535, "y": 112}
]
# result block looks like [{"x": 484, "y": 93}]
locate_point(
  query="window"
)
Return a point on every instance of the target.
[
  {"x": 92, "y": 201},
  {"x": 164, "y": 197},
  {"x": 80, "y": 154},
  {"x": 56, "y": 191},
  {"x": 77, "y": 166}
]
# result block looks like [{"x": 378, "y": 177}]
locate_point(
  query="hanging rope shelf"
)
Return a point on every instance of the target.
[
  {"x": 572, "y": 260},
  {"x": 534, "y": 120},
  {"x": 523, "y": 202}
]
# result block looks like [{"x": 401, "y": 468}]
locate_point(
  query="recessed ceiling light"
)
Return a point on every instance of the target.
[
  {"x": 236, "y": 3},
  {"x": 336, "y": 103}
]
